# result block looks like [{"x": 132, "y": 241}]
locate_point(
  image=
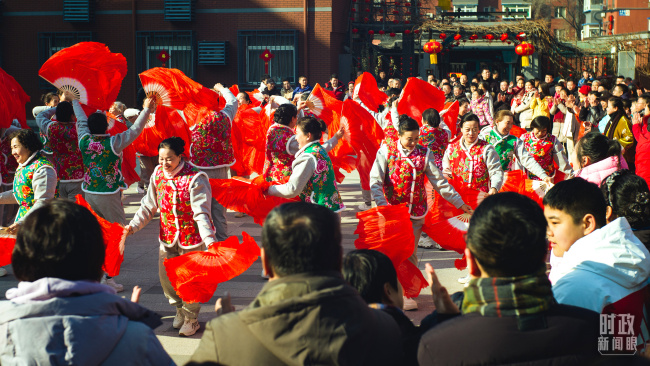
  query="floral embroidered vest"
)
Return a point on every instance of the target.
[
  {"x": 542, "y": 151},
  {"x": 23, "y": 189},
  {"x": 211, "y": 143},
  {"x": 390, "y": 134},
  {"x": 470, "y": 168},
  {"x": 321, "y": 188},
  {"x": 505, "y": 147},
  {"x": 436, "y": 141},
  {"x": 8, "y": 165},
  {"x": 103, "y": 166},
  {"x": 277, "y": 167},
  {"x": 67, "y": 157},
  {"x": 177, "y": 223},
  {"x": 405, "y": 178}
]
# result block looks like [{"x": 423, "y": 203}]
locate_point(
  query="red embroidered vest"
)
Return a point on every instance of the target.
[
  {"x": 277, "y": 167},
  {"x": 542, "y": 151},
  {"x": 177, "y": 223},
  {"x": 67, "y": 160},
  {"x": 211, "y": 143},
  {"x": 405, "y": 178},
  {"x": 436, "y": 140},
  {"x": 390, "y": 134},
  {"x": 471, "y": 169}
]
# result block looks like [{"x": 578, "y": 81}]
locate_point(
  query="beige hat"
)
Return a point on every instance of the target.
[{"x": 131, "y": 112}]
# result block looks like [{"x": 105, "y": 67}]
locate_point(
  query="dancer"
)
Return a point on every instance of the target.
[
  {"x": 433, "y": 136},
  {"x": 312, "y": 176},
  {"x": 545, "y": 148},
  {"x": 50, "y": 100},
  {"x": 62, "y": 135},
  {"x": 398, "y": 176},
  {"x": 182, "y": 194},
  {"x": 510, "y": 149},
  {"x": 211, "y": 151}
]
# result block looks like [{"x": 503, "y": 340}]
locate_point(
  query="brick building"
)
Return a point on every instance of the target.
[
  {"x": 615, "y": 17},
  {"x": 211, "y": 41}
]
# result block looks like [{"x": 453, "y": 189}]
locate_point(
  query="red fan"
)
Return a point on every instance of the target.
[
  {"x": 450, "y": 116},
  {"x": 256, "y": 97},
  {"x": 248, "y": 141},
  {"x": 114, "y": 237},
  {"x": 196, "y": 275},
  {"x": 165, "y": 123},
  {"x": 246, "y": 196},
  {"x": 515, "y": 181},
  {"x": 517, "y": 131},
  {"x": 365, "y": 87},
  {"x": 203, "y": 102},
  {"x": 364, "y": 135},
  {"x": 383, "y": 229},
  {"x": 170, "y": 87},
  {"x": 418, "y": 96},
  {"x": 324, "y": 106},
  {"x": 7, "y": 243},
  {"x": 12, "y": 101},
  {"x": 116, "y": 126},
  {"x": 89, "y": 70}
]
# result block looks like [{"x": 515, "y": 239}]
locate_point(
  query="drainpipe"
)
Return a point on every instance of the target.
[{"x": 305, "y": 45}]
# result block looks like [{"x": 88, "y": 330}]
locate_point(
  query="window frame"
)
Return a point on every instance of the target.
[
  {"x": 243, "y": 54},
  {"x": 144, "y": 39}
]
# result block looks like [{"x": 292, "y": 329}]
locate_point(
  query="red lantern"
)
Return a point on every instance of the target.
[
  {"x": 407, "y": 4},
  {"x": 266, "y": 56},
  {"x": 417, "y": 31},
  {"x": 473, "y": 37},
  {"x": 392, "y": 34},
  {"x": 407, "y": 32},
  {"x": 355, "y": 30},
  {"x": 521, "y": 36},
  {"x": 524, "y": 49},
  {"x": 367, "y": 10},
  {"x": 371, "y": 32},
  {"x": 365, "y": 20},
  {"x": 489, "y": 37},
  {"x": 381, "y": 32},
  {"x": 407, "y": 22},
  {"x": 396, "y": 21},
  {"x": 163, "y": 56},
  {"x": 432, "y": 48},
  {"x": 457, "y": 37},
  {"x": 443, "y": 36},
  {"x": 504, "y": 37}
]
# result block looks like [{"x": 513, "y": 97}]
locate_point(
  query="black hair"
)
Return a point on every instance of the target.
[
  {"x": 597, "y": 147},
  {"x": 393, "y": 91},
  {"x": 546, "y": 92},
  {"x": 407, "y": 124},
  {"x": 480, "y": 92},
  {"x": 368, "y": 271},
  {"x": 617, "y": 103},
  {"x": 62, "y": 240},
  {"x": 300, "y": 237},
  {"x": 312, "y": 125},
  {"x": 300, "y": 77},
  {"x": 470, "y": 117},
  {"x": 47, "y": 98},
  {"x": 627, "y": 104},
  {"x": 175, "y": 144},
  {"x": 462, "y": 101},
  {"x": 286, "y": 79},
  {"x": 485, "y": 85},
  {"x": 593, "y": 92},
  {"x": 64, "y": 111},
  {"x": 541, "y": 122},
  {"x": 628, "y": 196},
  {"x": 246, "y": 97},
  {"x": 97, "y": 123},
  {"x": 576, "y": 197},
  {"x": 623, "y": 88},
  {"x": 285, "y": 113},
  {"x": 431, "y": 117},
  {"x": 473, "y": 85},
  {"x": 507, "y": 235},
  {"x": 28, "y": 138}
]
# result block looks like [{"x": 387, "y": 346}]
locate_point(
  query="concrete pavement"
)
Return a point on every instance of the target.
[{"x": 140, "y": 268}]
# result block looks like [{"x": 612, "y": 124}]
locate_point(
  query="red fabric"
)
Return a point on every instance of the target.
[
  {"x": 173, "y": 89},
  {"x": 90, "y": 68},
  {"x": 517, "y": 131},
  {"x": 642, "y": 160},
  {"x": 325, "y": 106},
  {"x": 364, "y": 136},
  {"x": 365, "y": 87},
  {"x": 246, "y": 196},
  {"x": 516, "y": 181},
  {"x": 7, "y": 243},
  {"x": 450, "y": 117},
  {"x": 128, "y": 155},
  {"x": 248, "y": 141},
  {"x": 634, "y": 304},
  {"x": 196, "y": 275},
  {"x": 12, "y": 101},
  {"x": 418, "y": 96},
  {"x": 384, "y": 229},
  {"x": 165, "y": 123},
  {"x": 114, "y": 236},
  {"x": 256, "y": 97}
]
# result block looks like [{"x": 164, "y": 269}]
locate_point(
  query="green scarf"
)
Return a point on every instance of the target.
[{"x": 508, "y": 296}]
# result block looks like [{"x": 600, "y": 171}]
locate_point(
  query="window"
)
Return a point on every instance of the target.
[
  {"x": 179, "y": 45},
  {"x": 560, "y": 34},
  {"x": 283, "y": 44},
  {"x": 466, "y": 9},
  {"x": 517, "y": 11},
  {"x": 560, "y": 11},
  {"x": 488, "y": 17},
  {"x": 51, "y": 43}
]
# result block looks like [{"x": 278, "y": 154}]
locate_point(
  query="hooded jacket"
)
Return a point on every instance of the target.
[
  {"x": 303, "y": 319},
  {"x": 58, "y": 322},
  {"x": 596, "y": 172}
]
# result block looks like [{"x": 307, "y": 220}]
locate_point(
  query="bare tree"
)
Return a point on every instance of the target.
[{"x": 573, "y": 14}]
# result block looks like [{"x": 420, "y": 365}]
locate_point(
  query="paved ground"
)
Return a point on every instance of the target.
[{"x": 141, "y": 257}]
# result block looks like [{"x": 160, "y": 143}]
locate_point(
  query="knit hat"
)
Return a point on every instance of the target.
[
  {"x": 131, "y": 112},
  {"x": 585, "y": 89}
]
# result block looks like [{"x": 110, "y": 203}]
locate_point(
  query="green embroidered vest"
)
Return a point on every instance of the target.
[
  {"x": 23, "y": 189},
  {"x": 321, "y": 188},
  {"x": 103, "y": 173},
  {"x": 505, "y": 147}
]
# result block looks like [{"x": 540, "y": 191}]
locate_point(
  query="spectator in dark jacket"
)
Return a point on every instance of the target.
[
  {"x": 304, "y": 87},
  {"x": 509, "y": 315},
  {"x": 335, "y": 85},
  {"x": 591, "y": 112},
  {"x": 306, "y": 314}
]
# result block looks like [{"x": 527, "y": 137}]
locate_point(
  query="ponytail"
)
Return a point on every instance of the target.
[
  {"x": 312, "y": 125},
  {"x": 407, "y": 124},
  {"x": 597, "y": 147}
]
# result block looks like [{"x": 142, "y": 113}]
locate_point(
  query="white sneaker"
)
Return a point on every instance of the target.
[
  {"x": 426, "y": 242},
  {"x": 365, "y": 206},
  {"x": 190, "y": 326},
  {"x": 465, "y": 279},
  {"x": 3, "y": 272},
  {"x": 140, "y": 190},
  {"x": 410, "y": 304},
  {"x": 179, "y": 319},
  {"x": 111, "y": 282}
]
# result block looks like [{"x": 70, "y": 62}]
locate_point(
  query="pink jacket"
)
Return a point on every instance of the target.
[{"x": 596, "y": 172}]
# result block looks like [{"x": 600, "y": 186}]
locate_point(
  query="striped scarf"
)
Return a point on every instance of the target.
[{"x": 508, "y": 296}]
